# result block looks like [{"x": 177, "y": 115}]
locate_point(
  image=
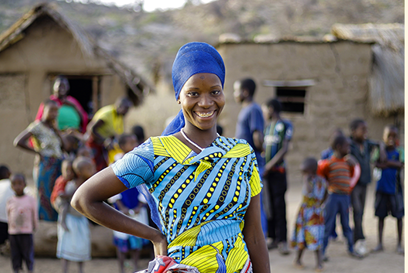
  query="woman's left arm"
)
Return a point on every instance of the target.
[{"x": 254, "y": 238}]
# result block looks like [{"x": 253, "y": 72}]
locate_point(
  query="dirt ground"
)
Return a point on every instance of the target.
[{"x": 340, "y": 262}]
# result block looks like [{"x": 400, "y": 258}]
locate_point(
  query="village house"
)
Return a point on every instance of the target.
[
  {"x": 358, "y": 72},
  {"x": 39, "y": 46}
]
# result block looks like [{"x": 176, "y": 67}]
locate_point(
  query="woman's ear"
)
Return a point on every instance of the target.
[{"x": 178, "y": 101}]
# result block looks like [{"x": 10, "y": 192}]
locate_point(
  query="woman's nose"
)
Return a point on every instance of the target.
[{"x": 205, "y": 101}]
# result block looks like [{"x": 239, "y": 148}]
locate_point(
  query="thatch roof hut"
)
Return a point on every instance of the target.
[
  {"x": 87, "y": 45},
  {"x": 386, "y": 83},
  {"x": 44, "y": 43}
]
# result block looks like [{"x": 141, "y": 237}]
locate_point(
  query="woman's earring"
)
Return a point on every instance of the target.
[{"x": 178, "y": 101}]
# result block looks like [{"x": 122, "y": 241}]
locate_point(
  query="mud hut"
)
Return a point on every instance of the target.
[
  {"x": 322, "y": 83},
  {"x": 44, "y": 43}
]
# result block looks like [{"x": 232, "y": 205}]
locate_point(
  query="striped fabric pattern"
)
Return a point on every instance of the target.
[
  {"x": 337, "y": 173},
  {"x": 202, "y": 198}
]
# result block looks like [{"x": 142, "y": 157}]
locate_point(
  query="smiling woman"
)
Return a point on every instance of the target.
[{"x": 203, "y": 189}]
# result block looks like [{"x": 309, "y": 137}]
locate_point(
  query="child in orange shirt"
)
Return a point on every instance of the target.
[{"x": 338, "y": 171}]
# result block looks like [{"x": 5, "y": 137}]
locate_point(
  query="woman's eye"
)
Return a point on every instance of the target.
[
  {"x": 192, "y": 94},
  {"x": 216, "y": 92}
]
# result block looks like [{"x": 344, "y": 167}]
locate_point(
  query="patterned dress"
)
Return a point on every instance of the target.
[
  {"x": 201, "y": 199},
  {"x": 309, "y": 226},
  {"x": 47, "y": 169}
]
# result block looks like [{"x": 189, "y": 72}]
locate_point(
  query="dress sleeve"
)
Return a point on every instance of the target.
[
  {"x": 135, "y": 168},
  {"x": 255, "y": 180}
]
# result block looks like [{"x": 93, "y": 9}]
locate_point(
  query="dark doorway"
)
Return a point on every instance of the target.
[{"x": 81, "y": 89}]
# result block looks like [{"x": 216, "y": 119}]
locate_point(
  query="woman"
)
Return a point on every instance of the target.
[
  {"x": 71, "y": 115},
  {"x": 48, "y": 147},
  {"x": 204, "y": 187}
]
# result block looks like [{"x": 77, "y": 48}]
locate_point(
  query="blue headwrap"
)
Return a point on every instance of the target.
[{"x": 191, "y": 59}]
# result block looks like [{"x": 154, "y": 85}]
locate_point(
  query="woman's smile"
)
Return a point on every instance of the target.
[{"x": 205, "y": 114}]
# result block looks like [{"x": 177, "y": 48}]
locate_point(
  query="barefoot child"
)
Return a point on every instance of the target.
[
  {"x": 338, "y": 171},
  {"x": 59, "y": 199},
  {"x": 23, "y": 221},
  {"x": 388, "y": 197},
  {"x": 309, "y": 226},
  {"x": 74, "y": 243}
]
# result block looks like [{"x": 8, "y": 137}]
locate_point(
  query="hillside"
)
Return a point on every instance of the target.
[{"x": 147, "y": 42}]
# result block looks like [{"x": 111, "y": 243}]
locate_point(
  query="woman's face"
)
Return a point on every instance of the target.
[
  {"x": 61, "y": 88},
  {"x": 202, "y": 100}
]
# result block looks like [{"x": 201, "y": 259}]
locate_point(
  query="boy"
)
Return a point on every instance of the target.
[
  {"x": 361, "y": 148},
  {"x": 277, "y": 137},
  {"x": 388, "y": 197},
  {"x": 338, "y": 171},
  {"x": 23, "y": 221}
]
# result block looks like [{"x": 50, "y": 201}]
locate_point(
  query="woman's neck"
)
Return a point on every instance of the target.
[{"x": 203, "y": 138}]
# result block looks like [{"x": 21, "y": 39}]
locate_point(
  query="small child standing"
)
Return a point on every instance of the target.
[
  {"x": 59, "y": 200},
  {"x": 309, "y": 226},
  {"x": 338, "y": 172},
  {"x": 74, "y": 242},
  {"x": 133, "y": 204},
  {"x": 23, "y": 220},
  {"x": 388, "y": 197}
]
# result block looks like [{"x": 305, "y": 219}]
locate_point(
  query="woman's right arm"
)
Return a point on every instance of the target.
[
  {"x": 89, "y": 200},
  {"x": 21, "y": 141}
]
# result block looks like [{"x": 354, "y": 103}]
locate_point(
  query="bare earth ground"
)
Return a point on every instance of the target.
[{"x": 386, "y": 262}]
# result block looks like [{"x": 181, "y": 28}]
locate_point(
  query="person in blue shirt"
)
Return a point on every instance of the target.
[
  {"x": 250, "y": 126},
  {"x": 388, "y": 197},
  {"x": 277, "y": 136}
]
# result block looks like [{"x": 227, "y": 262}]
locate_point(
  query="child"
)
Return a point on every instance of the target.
[
  {"x": 309, "y": 227},
  {"x": 74, "y": 243},
  {"x": 6, "y": 192},
  {"x": 361, "y": 148},
  {"x": 23, "y": 220},
  {"x": 326, "y": 154},
  {"x": 338, "y": 172},
  {"x": 131, "y": 203},
  {"x": 388, "y": 197},
  {"x": 59, "y": 200}
]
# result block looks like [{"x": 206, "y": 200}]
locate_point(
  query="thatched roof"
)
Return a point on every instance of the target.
[
  {"x": 386, "y": 82},
  {"x": 88, "y": 47}
]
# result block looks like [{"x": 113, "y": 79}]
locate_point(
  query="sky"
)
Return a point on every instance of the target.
[{"x": 151, "y": 5}]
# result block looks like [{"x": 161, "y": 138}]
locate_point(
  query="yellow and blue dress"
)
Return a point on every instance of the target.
[{"x": 201, "y": 198}]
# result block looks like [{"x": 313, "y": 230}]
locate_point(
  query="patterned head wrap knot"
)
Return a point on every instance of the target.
[{"x": 191, "y": 59}]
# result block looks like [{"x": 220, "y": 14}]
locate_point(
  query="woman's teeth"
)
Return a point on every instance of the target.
[{"x": 205, "y": 115}]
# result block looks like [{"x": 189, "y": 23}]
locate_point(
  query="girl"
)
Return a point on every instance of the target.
[
  {"x": 204, "y": 188},
  {"x": 309, "y": 227},
  {"x": 48, "y": 147}
]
